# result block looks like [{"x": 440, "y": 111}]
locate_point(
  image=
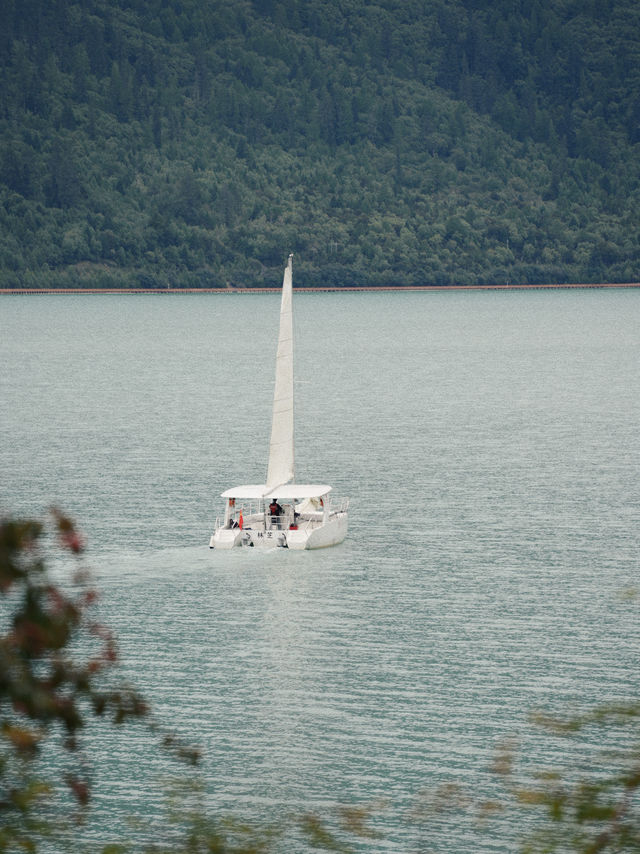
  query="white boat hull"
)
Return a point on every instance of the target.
[
  {"x": 223, "y": 538},
  {"x": 330, "y": 533}
]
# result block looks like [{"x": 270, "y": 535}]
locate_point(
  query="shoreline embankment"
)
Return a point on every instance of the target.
[{"x": 315, "y": 289}]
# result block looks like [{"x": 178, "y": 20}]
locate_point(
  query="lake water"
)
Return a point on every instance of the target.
[{"x": 489, "y": 444}]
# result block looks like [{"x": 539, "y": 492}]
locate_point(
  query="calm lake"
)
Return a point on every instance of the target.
[{"x": 488, "y": 442}]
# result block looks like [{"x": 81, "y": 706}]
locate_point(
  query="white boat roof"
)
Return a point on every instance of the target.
[{"x": 288, "y": 490}]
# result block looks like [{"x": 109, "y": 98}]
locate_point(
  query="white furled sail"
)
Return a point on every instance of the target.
[{"x": 280, "y": 468}]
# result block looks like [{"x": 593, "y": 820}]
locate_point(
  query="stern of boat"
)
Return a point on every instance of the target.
[
  {"x": 330, "y": 533},
  {"x": 226, "y": 538}
]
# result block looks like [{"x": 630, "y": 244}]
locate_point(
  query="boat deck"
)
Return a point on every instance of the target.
[{"x": 266, "y": 522}]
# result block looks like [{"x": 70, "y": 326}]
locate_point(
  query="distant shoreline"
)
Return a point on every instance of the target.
[{"x": 312, "y": 289}]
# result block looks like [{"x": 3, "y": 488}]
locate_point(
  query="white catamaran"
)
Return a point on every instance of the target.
[{"x": 280, "y": 512}]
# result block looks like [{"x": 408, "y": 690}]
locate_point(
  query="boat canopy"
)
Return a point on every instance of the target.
[{"x": 296, "y": 491}]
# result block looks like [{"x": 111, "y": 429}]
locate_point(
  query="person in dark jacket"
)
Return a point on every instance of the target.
[{"x": 275, "y": 510}]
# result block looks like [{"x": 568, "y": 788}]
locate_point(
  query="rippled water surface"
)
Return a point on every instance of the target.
[{"x": 489, "y": 445}]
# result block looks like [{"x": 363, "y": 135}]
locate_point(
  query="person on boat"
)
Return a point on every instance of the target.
[{"x": 275, "y": 510}]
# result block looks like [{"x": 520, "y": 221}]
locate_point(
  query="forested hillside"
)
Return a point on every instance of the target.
[{"x": 196, "y": 142}]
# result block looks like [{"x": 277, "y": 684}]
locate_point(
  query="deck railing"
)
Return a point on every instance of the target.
[
  {"x": 255, "y": 510},
  {"x": 338, "y": 505}
]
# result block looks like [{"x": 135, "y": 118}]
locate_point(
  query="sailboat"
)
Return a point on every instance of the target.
[{"x": 280, "y": 512}]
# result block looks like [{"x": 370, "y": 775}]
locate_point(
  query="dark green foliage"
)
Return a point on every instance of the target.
[
  {"x": 423, "y": 142},
  {"x": 43, "y": 691}
]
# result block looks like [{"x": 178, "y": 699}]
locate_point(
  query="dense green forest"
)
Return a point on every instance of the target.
[{"x": 194, "y": 143}]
